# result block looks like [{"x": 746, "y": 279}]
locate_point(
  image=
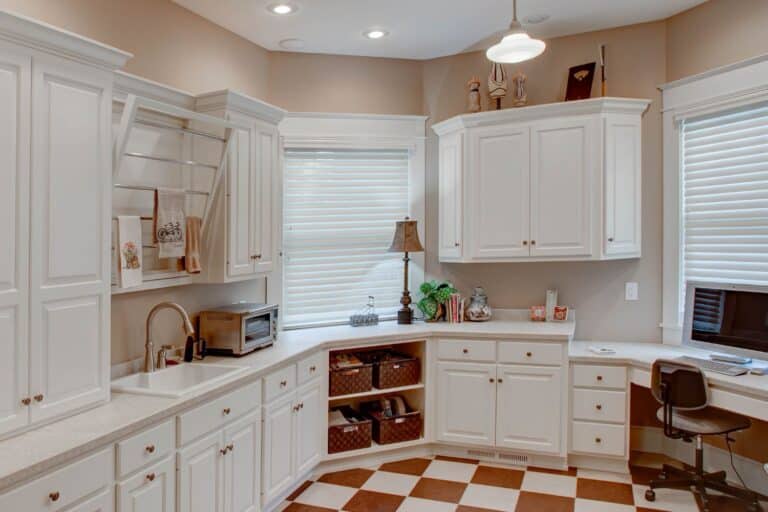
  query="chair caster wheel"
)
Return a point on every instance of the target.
[{"x": 650, "y": 495}]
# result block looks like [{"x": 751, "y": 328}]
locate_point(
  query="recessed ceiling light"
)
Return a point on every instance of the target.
[
  {"x": 282, "y": 8},
  {"x": 533, "y": 19},
  {"x": 292, "y": 44},
  {"x": 375, "y": 33}
]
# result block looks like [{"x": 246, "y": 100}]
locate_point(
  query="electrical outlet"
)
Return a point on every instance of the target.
[{"x": 631, "y": 291}]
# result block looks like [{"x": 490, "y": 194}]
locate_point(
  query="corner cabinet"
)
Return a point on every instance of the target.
[
  {"x": 245, "y": 204},
  {"x": 55, "y": 188},
  {"x": 558, "y": 182}
]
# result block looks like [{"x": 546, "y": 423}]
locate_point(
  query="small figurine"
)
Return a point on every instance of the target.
[
  {"x": 474, "y": 95},
  {"x": 519, "y": 94},
  {"x": 497, "y": 84}
]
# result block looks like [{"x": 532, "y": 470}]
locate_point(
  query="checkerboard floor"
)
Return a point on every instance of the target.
[{"x": 446, "y": 484}]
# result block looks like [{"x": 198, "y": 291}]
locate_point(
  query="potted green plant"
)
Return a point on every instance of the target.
[{"x": 434, "y": 296}]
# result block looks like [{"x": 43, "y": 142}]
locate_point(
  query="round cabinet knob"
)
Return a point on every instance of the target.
[
  {"x": 525, "y": 242},
  {"x": 283, "y": 383},
  {"x": 226, "y": 411},
  {"x": 598, "y": 440},
  {"x": 230, "y": 447},
  {"x": 456, "y": 244},
  {"x": 39, "y": 398},
  {"x": 312, "y": 369},
  {"x": 499, "y": 381},
  {"x": 223, "y": 451},
  {"x": 150, "y": 448},
  {"x": 533, "y": 242},
  {"x": 610, "y": 239},
  {"x": 54, "y": 496},
  {"x": 466, "y": 351},
  {"x": 599, "y": 407},
  {"x": 491, "y": 380},
  {"x": 599, "y": 378},
  {"x": 26, "y": 401},
  {"x": 151, "y": 477},
  {"x": 529, "y": 354}
]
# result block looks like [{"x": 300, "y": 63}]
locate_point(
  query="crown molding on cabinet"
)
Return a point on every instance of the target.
[
  {"x": 235, "y": 101},
  {"x": 607, "y": 105},
  {"x": 126, "y": 83},
  {"x": 35, "y": 34}
]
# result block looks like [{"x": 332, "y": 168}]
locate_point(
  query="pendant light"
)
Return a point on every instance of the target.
[{"x": 517, "y": 45}]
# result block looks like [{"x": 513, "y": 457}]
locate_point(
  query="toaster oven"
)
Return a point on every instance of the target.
[{"x": 238, "y": 329}]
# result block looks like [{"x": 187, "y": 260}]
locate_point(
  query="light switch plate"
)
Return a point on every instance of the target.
[{"x": 631, "y": 291}]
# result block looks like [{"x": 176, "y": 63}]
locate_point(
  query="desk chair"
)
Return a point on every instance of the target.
[{"x": 683, "y": 392}]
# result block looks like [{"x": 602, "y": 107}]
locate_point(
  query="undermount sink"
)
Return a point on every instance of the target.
[{"x": 174, "y": 381}]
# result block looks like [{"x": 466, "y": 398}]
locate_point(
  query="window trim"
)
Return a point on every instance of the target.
[
  {"x": 737, "y": 85},
  {"x": 342, "y": 131}
]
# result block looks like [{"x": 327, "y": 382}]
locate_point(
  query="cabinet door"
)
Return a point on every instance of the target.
[
  {"x": 309, "y": 432},
  {"x": 104, "y": 501},
  {"x": 262, "y": 224},
  {"x": 201, "y": 476},
  {"x": 450, "y": 192},
  {"x": 14, "y": 231},
  {"x": 70, "y": 243},
  {"x": 466, "y": 403},
  {"x": 499, "y": 192},
  {"x": 562, "y": 162},
  {"x": 242, "y": 464},
  {"x": 529, "y": 414},
  {"x": 623, "y": 176},
  {"x": 277, "y": 470},
  {"x": 240, "y": 186},
  {"x": 151, "y": 490}
]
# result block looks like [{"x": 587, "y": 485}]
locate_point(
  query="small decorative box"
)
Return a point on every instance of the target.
[{"x": 538, "y": 313}]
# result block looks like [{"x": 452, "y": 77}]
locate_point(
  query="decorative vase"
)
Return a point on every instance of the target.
[{"x": 478, "y": 310}]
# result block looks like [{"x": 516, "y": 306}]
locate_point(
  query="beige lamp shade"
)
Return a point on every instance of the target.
[{"x": 406, "y": 237}]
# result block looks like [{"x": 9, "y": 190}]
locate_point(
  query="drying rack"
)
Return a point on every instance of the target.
[{"x": 189, "y": 124}]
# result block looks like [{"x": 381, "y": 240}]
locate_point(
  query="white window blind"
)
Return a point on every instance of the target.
[
  {"x": 339, "y": 210},
  {"x": 725, "y": 196}
]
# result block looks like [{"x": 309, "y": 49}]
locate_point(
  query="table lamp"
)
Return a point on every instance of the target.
[{"x": 406, "y": 240}]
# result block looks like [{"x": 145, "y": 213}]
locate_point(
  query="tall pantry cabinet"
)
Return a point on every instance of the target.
[{"x": 55, "y": 190}]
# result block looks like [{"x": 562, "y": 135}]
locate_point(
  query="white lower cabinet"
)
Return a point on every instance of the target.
[
  {"x": 529, "y": 408},
  {"x": 151, "y": 490},
  {"x": 466, "y": 395},
  {"x": 292, "y": 438},
  {"x": 101, "y": 502},
  {"x": 511, "y": 406},
  {"x": 220, "y": 471}
]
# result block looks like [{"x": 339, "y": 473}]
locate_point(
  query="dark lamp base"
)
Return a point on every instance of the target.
[{"x": 405, "y": 316}]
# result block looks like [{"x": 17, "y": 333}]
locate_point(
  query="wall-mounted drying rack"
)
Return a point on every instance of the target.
[{"x": 190, "y": 123}]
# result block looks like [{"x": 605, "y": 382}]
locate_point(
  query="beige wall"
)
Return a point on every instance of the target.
[
  {"x": 714, "y": 34},
  {"x": 636, "y": 65}
]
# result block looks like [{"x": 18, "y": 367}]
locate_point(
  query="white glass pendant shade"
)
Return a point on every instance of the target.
[{"x": 515, "y": 47}]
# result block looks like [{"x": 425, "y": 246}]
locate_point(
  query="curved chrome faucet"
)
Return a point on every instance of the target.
[{"x": 149, "y": 347}]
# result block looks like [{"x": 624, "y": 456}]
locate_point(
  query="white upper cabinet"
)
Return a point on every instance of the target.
[
  {"x": 242, "y": 240},
  {"x": 55, "y": 211},
  {"x": 556, "y": 182}
]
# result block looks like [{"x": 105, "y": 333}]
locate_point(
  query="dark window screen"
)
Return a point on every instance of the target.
[{"x": 733, "y": 318}]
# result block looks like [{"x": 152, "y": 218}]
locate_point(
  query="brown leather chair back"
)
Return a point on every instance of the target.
[{"x": 679, "y": 385}]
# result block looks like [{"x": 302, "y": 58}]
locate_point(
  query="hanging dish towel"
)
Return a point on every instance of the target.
[
  {"x": 130, "y": 248},
  {"x": 192, "y": 257},
  {"x": 170, "y": 223}
]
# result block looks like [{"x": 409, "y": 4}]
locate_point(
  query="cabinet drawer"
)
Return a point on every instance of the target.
[
  {"x": 598, "y": 438},
  {"x": 150, "y": 490},
  {"x": 61, "y": 488},
  {"x": 598, "y": 405},
  {"x": 467, "y": 350},
  {"x": 149, "y": 446},
  {"x": 279, "y": 383},
  {"x": 310, "y": 367},
  {"x": 218, "y": 412},
  {"x": 593, "y": 376},
  {"x": 531, "y": 353}
]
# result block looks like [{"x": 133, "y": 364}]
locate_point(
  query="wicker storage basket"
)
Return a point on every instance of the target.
[
  {"x": 392, "y": 370},
  {"x": 397, "y": 429},
  {"x": 350, "y": 380},
  {"x": 355, "y": 436}
]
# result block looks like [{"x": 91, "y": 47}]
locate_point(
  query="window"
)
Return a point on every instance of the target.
[
  {"x": 339, "y": 213},
  {"x": 725, "y": 196}
]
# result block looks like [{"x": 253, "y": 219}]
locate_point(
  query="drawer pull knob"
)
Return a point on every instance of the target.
[
  {"x": 39, "y": 398},
  {"x": 150, "y": 448},
  {"x": 312, "y": 369},
  {"x": 223, "y": 451},
  {"x": 610, "y": 239},
  {"x": 455, "y": 244},
  {"x": 533, "y": 242},
  {"x": 151, "y": 477},
  {"x": 499, "y": 381},
  {"x": 525, "y": 242},
  {"x": 528, "y": 354},
  {"x": 491, "y": 380},
  {"x": 230, "y": 447},
  {"x": 54, "y": 496},
  {"x": 466, "y": 351},
  {"x": 599, "y": 378},
  {"x": 599, "y": 407},
  {"x": 26, "y": 401},
  {"x": 283, "y": 383},
  {"x": 598, "y": 440},
  {"x": 226, "y": 411}
]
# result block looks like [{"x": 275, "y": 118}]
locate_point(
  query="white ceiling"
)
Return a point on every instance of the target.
[{"x": 420, "y": 29}]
